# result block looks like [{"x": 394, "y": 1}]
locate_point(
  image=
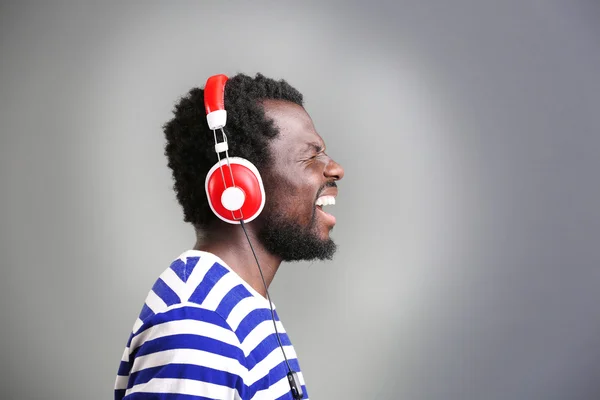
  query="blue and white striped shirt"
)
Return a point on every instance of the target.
[{"x": 204, "y": 333}]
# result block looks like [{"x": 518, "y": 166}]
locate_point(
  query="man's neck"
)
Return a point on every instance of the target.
[{"x": 230, "y": 244}]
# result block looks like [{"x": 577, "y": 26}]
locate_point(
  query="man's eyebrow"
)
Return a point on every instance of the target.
[{"x": 318, "y": 147}]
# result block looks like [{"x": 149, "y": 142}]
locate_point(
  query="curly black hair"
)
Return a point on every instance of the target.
[{"x": 190, "y": 143}]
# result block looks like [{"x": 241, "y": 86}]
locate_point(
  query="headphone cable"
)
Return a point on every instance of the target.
[
  {"x": 297, "y": 392},
  {"x": 268, "y": 297}
]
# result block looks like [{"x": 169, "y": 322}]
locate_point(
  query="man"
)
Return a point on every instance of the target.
[{"x": 207, "y": 329}]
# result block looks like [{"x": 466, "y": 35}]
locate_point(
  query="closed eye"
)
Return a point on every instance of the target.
[
  {"x": 315, "y": 150},
  {"x": 318, "y": 154}
]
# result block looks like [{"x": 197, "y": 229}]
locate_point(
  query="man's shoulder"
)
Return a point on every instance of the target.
[
  {"x": 199, "y": 284},
  {"x": 184, "y": 319}
]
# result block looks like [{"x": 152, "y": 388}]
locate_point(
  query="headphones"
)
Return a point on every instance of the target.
[
  {"x": 233, "y": 185},
  {"x": 235, "y": 190}
]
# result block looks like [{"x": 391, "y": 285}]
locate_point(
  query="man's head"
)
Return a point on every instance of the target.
[{"x": 267, "y": 125}]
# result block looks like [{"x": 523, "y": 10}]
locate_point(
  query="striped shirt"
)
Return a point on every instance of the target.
[{"x": 204, "y": 333}]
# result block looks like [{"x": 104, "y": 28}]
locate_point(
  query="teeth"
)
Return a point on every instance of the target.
[{"x": 325, "y": 201}]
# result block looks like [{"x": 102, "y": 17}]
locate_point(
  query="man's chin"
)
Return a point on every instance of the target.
[
  {"x": 324, "y": 251},
  {"x": 292, "y": 243}
]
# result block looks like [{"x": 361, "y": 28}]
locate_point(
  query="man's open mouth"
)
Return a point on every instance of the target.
[{"x": 324, "y": 201}]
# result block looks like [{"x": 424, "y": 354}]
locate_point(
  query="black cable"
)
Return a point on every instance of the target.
[
  {"x": 268, "y": 297},
  {"x": 295, "y": 386}
]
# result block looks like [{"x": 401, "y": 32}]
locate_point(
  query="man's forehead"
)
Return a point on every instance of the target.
[{"x": 292, "y": 120}]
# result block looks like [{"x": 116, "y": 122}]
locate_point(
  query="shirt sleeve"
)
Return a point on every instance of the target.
[{"x": 186, "y": 353}]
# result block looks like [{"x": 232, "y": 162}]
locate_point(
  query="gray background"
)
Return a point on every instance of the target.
[{"x": 468, "y": 220}]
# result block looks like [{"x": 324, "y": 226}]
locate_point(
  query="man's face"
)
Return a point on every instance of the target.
[{"x": 299, "y": 183}]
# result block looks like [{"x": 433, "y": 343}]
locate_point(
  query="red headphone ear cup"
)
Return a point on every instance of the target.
[{"x": 247, "y": 178}]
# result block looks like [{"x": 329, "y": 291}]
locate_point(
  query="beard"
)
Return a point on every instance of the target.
[{"x": 292, "y": 242}]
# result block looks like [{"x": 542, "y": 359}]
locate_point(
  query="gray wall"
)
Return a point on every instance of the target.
[{"x": 468, "y": 220}]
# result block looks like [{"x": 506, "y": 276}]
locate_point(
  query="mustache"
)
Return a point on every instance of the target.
[{"x": 325, "y": 186}]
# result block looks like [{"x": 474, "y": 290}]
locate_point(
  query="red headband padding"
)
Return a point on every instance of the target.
[{"x": 214, "y": 93}]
